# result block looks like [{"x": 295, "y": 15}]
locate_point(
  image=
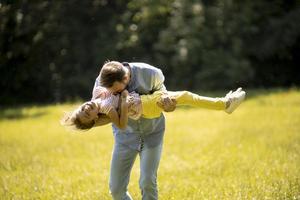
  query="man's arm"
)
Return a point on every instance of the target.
[
  {"x": 167, "y": 104},
  {"x": 159, "y": 81}
]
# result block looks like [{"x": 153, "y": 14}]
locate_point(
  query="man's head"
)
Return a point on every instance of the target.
[{"x": 114, "y": 76}]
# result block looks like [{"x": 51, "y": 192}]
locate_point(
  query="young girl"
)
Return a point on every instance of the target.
[{"x": 117, "y": 108}]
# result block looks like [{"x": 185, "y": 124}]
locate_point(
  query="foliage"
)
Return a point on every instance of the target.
[{"x": 53, "y": 51}]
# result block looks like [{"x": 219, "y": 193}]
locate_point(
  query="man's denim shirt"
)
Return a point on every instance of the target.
[{"x": 145, "y": 79}]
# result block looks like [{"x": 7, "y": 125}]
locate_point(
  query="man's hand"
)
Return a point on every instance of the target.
[{"x": 167, "y": 103}]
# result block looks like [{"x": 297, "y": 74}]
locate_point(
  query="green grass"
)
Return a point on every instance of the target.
[{"x": 252, "y": 154}]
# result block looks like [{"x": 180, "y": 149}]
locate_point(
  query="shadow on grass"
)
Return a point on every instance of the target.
[{"x": 18, "y": 113}]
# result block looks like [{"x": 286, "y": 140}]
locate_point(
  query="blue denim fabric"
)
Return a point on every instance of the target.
[{"x": 121, "y": 165}]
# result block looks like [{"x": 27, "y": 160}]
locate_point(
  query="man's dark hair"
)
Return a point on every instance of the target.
[{"x": 111, "y": 72}]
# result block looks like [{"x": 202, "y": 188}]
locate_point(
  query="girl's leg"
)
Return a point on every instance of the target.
[
  {"x": 194, "y": 100},
  {"x": 149, "y": 105}
]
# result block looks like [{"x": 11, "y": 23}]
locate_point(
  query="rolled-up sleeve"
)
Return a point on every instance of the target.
[{"x": 159, "y": 79}]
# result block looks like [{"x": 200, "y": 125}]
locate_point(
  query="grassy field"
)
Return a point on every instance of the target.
[{"x": 252, "y": 154}]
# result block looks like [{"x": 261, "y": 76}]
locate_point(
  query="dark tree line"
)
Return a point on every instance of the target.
[{"x": 52, "y": 51}]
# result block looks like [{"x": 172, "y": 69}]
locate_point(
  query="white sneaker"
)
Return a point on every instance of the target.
[{"x": 235, "y": 99}]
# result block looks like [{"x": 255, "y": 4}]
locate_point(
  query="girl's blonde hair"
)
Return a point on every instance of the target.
[{"x": 72, "y": 120}]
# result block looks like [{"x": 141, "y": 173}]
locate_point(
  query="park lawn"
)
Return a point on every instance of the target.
[{"x": 252, "y": 154}]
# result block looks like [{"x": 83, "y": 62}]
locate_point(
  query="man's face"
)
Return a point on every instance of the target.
[{"x": 118, "y": 86}]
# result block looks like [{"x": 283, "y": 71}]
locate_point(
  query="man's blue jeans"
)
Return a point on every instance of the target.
[{"x": 121, "y": 164}]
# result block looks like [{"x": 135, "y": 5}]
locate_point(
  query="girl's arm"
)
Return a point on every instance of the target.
[{"x": 120, "y": 121}]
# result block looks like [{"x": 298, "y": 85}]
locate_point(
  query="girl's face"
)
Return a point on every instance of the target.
[{"x": 88, "y": 112}]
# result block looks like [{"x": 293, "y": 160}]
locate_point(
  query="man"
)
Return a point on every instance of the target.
[{"x": 143, "y": 137}]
